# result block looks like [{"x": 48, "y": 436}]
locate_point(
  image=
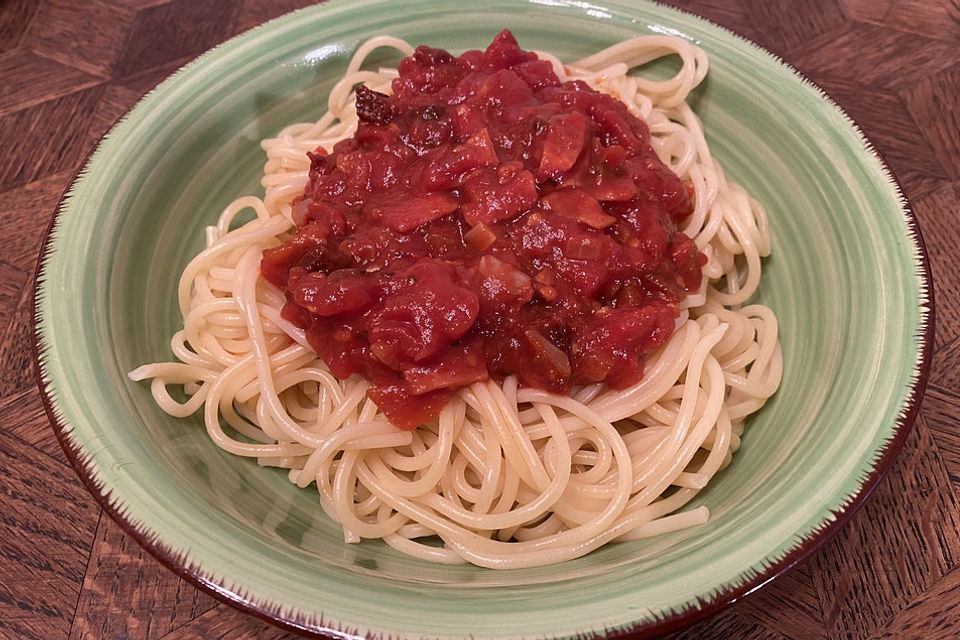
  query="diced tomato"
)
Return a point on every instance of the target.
[
  {"x": 426, "y": 311},
  {"x": 447, "y": 167},
  {"x": 688, "y": 260},
  {"x": 501, "y": 285},
  {"x": 504, "y": 52},
  {"x": 343, "y": 291},
  {"x": 615, "y": 340},
  {"x": 565, "y": 138},
  {"x": 619, "y": 127},
  {"x": 480, "y": 237},
  {"x": 404, "y": 212},
  {"x": 504, "y": 88},
  {"x": 662, "y": 186},
  {"x": 491, "y": 196},
  {"x": 612, "y": 187},
  {"x": 276, "y": 262},
  {"x": 406, "y": 410},
  {"x": 574, "y": 203},
  {"x": 458, "y": 366},
  {"x": 538, "y": 74}
]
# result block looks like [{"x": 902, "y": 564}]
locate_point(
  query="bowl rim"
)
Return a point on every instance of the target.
[{"x": 698, "y": 609}]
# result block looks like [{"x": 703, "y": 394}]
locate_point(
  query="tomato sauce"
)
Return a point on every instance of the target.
[{"x": 486, "y": 220}]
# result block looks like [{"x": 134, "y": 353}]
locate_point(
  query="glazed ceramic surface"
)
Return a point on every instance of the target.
[{"x": 846, "y": 280}]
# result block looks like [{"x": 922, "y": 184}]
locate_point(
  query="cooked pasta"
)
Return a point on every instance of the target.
[{"x": 507, "y": 476}]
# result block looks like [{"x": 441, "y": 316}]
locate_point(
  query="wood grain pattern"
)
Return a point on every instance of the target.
[
  {"x": 787, "y": 24},
  {"x": 88, "y": 35},
  {"x": 48, "y": 79},
  {"x": 37, "y": 137},
  {"x": 945, "y": 372},
  {"x": 70, "y": 69},
  {"x": 934, "y": 103},
  {"x": 47, "y": 521},
  {"x": 936, "y": 19},
  {"x": 155, "y": 601},
  {"x": 871, "y": 55}
]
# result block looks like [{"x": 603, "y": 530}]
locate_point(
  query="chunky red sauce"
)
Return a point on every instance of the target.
[{"x": 486, "y": 220}]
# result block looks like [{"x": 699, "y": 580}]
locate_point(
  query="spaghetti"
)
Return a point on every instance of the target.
[{"x": 506, "y": 476}]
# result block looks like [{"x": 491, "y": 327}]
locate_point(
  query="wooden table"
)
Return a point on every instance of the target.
[{"x": 68, "y": 70}]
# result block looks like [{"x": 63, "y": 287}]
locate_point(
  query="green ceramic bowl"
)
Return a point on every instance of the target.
[{"x": 848, "y": 280}]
